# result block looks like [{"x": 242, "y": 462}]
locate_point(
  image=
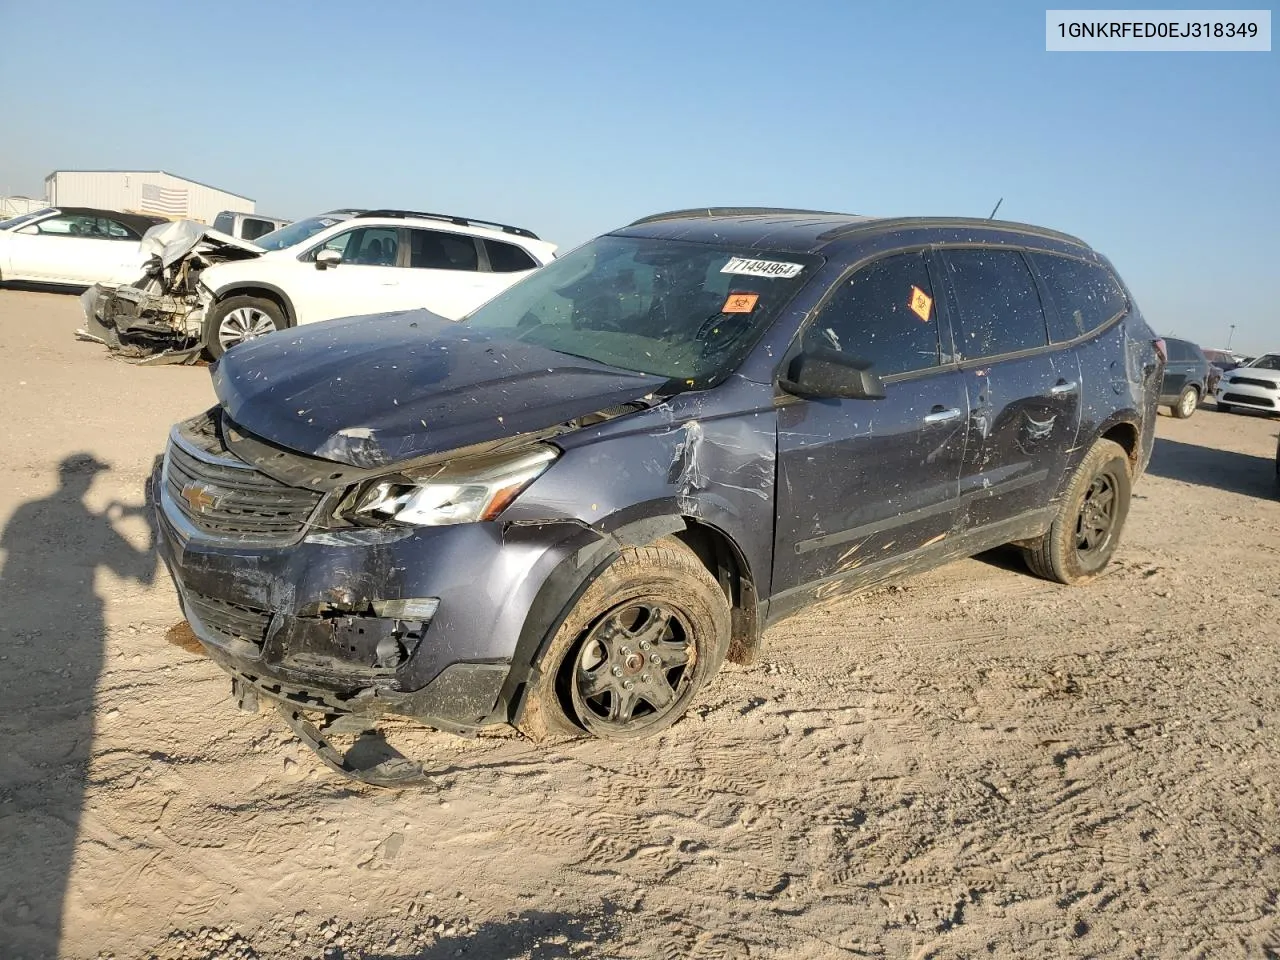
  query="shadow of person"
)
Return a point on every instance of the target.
[
  {"x": 1241, "y": 473},
  {"x": 52, "y": 634}
]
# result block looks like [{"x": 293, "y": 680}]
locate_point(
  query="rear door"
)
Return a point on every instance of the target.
[
  {"x": 861, "y": 482},
  {"x": 1024, "y": 399},
  {"x": 1178, "y": 368},
  {"x": 444, "y": 273}
]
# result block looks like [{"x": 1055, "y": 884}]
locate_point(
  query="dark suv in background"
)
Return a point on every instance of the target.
[
  {"x": 566, "y": 510},
  {"x": 1187, "y": 377}
]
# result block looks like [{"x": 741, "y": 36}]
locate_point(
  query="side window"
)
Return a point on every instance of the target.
[
  {"x": 115, "y": 230},
  {"x": 366, "y": 246},
  {"x": 253, "y": 229},
  {"x": 999, "y": 307},
  {"x": 883, "y": 314},
  {"x": 1177, "y": 350},
  {"x": 436, "y": 250},
  {"x": 225, "y": 223},
  {"x": 63, "y": 226},
  {"x": 1085, "y": 295},
  {"x": 507, "y": 257}
]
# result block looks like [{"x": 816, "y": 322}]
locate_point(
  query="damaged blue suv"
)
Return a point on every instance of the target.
[{"x": 567, "y": 510}]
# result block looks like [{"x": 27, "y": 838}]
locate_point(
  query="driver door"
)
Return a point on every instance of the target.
[
  {"x": 366, "y": 281},
  {"x": 75, "y": 249},
  {"x": 863, "y": 483}
]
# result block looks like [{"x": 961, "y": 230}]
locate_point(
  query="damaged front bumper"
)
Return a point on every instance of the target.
[
  {"x": 428, "y": 623},
  {"x": 139, "y": 323},
  {"x": 163, "y": 312}
]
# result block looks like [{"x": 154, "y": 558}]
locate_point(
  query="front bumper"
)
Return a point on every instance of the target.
[
  {"x": 296, "y": 623},
  {"x": 1249, "y": 395}
]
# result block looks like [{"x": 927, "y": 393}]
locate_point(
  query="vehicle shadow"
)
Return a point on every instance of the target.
[
  {"x": 30, "y": 287},
  {"x": 535, "y": 934},
  {"x": 52, "y": 637},
  {"x": 1209, "y": 467}
]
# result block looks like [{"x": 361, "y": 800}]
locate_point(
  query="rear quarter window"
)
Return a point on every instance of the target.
[
  {"x": 507, "y": 257},
  {"x": 1084, "y": 296},
  {"x": 225, "y": 223}
]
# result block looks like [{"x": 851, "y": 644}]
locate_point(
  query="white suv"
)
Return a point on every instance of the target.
[{"x": 374, "y": 262}]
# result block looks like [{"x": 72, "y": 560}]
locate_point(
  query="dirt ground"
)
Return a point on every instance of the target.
[{"x": 971, "y": 763}]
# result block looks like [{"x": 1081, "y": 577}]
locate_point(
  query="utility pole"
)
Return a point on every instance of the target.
[{"x": 1231, "y": 334}]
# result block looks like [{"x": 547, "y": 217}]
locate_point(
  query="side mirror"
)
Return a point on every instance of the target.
[
  {"x": 327, "y": 258},
  {"x": 823, "y": 373}
]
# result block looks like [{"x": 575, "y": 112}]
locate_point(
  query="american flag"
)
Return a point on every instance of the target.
[{"x": 170, "y": 200}]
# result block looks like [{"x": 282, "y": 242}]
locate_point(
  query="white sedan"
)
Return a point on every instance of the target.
[
  {"x": 77, "y": 246},
  {"x": 1255, "y": 386}
]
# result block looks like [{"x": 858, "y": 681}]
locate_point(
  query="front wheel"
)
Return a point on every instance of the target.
[
  {"x": 1187, "y": 403},
  {"x": 635, "y": 650},
  {"x": 1086, "y": 531},
  {"x": 238, "y": 319}
]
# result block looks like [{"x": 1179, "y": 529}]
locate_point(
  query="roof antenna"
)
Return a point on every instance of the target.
[{"x": 995, "y": 208}]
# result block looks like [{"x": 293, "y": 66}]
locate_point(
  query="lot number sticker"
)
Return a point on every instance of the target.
[
  {"x": 921, "y": 303},
  {"x": 762, "y": 268}
]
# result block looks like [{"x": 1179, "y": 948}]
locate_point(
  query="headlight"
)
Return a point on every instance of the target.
[{"x": 462, "y": 492}]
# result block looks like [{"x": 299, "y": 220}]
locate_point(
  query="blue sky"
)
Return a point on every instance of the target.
[{"x": 574, "y": 117}]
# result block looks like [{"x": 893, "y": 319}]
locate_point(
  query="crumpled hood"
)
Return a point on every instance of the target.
[
  {"x": 173, "y": 241},
  {"x": 378, "y": 390}
]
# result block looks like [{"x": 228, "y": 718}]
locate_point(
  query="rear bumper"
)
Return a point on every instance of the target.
[{"x": 298, "y": 623}]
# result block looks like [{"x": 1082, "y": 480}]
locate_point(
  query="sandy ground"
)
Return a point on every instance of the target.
[{"x": 971, "y": 763}]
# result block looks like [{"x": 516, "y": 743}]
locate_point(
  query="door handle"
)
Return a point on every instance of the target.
[
  {"x": 1071, "y": 387},
  {"x": 941, "y": 415}
]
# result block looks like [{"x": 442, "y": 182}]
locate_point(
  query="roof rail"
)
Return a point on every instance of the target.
[
  {"x": 449, "y": 218},
  {"x": 894, "y": 223},
  {"x": 732, "y": 212}
]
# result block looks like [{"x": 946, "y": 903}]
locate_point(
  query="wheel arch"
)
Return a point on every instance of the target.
[
  {"x": 266, "y": 291},
  {"x": 596, "y": 549}
]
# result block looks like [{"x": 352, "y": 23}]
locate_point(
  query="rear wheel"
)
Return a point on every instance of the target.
[
  {"x": 238, "y": 319},
  {"x": 1086, "y": 531},
  {"x": 1187, "y": 403},
  {"x": 634, "y": 652}
]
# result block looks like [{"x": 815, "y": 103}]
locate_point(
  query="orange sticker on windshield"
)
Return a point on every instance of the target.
[
  {"x": 921, "y": 304},
  {"x": 740, "y": 303}
]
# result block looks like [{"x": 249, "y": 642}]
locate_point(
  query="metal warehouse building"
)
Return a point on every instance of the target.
[{"x": 142, "y": 191}]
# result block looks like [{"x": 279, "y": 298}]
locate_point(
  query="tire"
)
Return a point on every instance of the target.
[
  {"x": 1082, "y": 539},
  {"x": 1224, "y": 407},
  {"x": 237, "y": 319},
  {"x": 1188, "y": 402},
  {"x": 634, "y": 652}
]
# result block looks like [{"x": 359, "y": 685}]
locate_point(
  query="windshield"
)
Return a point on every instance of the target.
[
  {"x": 25, "y": 218},
  {"x": 1268, "y": 361},
  {"x": 676, "y": 309},
  {"x": 296, "y": 232}
]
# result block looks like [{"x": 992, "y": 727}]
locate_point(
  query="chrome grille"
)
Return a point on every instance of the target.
[{"x": 210, "y": 494}]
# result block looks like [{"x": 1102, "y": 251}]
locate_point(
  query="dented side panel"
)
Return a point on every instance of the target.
[
  {"x": 862, "y": 481},
  {"x": 709, "y": 457}
]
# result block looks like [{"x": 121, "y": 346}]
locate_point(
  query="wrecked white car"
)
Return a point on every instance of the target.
[
  {"x": 344, "y": 263},
  {"x": 161, "y": 316}
]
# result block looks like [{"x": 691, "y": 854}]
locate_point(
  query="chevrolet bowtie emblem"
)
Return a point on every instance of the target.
[{"x": 199, "y": 496}]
